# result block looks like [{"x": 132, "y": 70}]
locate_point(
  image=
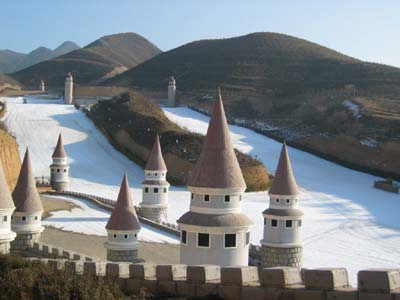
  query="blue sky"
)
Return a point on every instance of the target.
[{"x": 367, "y": 29}]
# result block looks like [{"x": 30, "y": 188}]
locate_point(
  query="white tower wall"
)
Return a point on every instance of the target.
[
  {"x": 171, "y": 92},
  {"x": 68, "y": 90},
  {"x": 6, "y": 235},
  {"x": 59, "y": 173}
]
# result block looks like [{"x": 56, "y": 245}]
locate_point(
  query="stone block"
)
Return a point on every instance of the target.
[
  {"x": 133, "y": 286},
  {"x": 150, "y": 285},
  {"x": 185, "y": 289},
  {"x": 203, "y": 274},
  {"x": 304, "y": 294},
  {"x": 342, "y": 294},
  {"x": 66, "y": 254},
  {"x": 36, "y": 247},
  {"x": 76, "y": 256},
  {"x": 167, "y": 287},
  {"x": 56, "y": 264},
  {"x": 55, "y": 252},
  {"x": 277, "y": 293},
  {"x": 88, "y": 258},
  {"x": 75, "y": 267},
  {"x": 115, "y": 270},
  {"x": 374, "y": 296},
  {"x": 378, "y": 281},
  {"x": 280, "y": 277},
  {"x": 326, "y": 279},
  {"x": 229, "y": 292},
  {"x": 239, "y": 275},
  {"x": 170, "y": 272},
  {"x": 253, "y": 292},
  {"x": 206, "y": 289},
  {"x": 142, "y": 271},
  {"x": 46, "y": 249},
  {"x": 94, "y": 268}
]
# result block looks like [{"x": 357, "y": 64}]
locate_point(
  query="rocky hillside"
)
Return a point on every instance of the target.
[
  {"x": 100, "y": 60},
  {"x": 131, "y": 122},
  {"x": 11, "y": 61},
  {"x": 7, "y": 83},
  {"x": 9, "y": 157},
  {"x": 285, "y": 87}
]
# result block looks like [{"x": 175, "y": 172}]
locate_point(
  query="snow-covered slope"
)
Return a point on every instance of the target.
[{"x": 347, "y": 223}]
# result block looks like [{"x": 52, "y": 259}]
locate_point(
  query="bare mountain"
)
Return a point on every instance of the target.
[
  {"x": 104, "y": 58},
  {"x": 318, "y": 99},
  {"x": 11, "y": 61}
]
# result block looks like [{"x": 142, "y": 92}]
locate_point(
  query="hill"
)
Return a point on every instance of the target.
[
  {"x": 131, "y": 122},
  {"x": 11, "y": 61},
  {"x": 7, "y": 83},
  {"x": 101, "y": 59},
  {"x": 289, "y": 88}
]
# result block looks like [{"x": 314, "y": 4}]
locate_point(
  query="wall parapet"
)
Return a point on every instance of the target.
[
  {"x": 49, "y": 251},
  {"x": 239, "y": 282}
]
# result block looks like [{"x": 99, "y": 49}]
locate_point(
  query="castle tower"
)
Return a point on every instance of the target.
[
  {"x": 123, "y": 227},
  {"x": 154, "y": 205},
  {"x": 282, "y": 244},
  {"x": 215, "y": 231},
  {"x": 59, "y": 169},
  {"x": 171, "y": 91},
  {"x": 68, "y": 89},
  {"x": 26, "y": 220},
  {"x": 42, "y": 86},
  {"x": 6, "y": 209}
]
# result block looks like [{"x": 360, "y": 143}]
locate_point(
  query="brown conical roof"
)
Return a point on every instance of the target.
[
  {"x": 59, "y": 151},
  {"x": 156, "y": 160},
  {"x": 217, "y": 166},
  {"x": 6, "y": 201},
  {"x": 25, "y": 195},
  {"x": 284, "y": 182},
  {"x": 124, "y": 215}
]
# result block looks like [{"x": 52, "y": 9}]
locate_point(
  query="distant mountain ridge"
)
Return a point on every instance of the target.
[
  {"x": 99, "y": 60},
  {"x": 11, "y": 61}
]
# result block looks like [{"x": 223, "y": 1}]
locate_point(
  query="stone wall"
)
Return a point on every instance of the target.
[
  {"x": 123, "y": 255},
  {"x": 49, "y": 251},
  {"x": 155, "y": 214},
  {"x": 274, "y": 256},
  {"x": 24, "y": 241},
  {"x": 241, "y": 282}
]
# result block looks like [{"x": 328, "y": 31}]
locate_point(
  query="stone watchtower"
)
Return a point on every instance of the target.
[
  {"x": 215, "y": 231},
  {"x": 171, "y": 91},
  {"x": 123, "y": 227},
  {"x": 42, "y": 86},
  {"x": 154, "y": 205},
  {"x": 6, "y": 209},
  {"x": 26, "y": 220},
  {"x": 69, "y": 89},
  {"x": 282, "y": 244},
  {"x": 59, "y": 169}
]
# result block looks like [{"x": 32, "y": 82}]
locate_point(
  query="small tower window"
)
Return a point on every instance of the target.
[
  {"x": 299, "y": 223},
  {"x": 184, "y": 237},
  {"x": 274, "y": 223},
  {"x": 192, "y": 196},
  {"x": 146, "y": 189},
  {"x": 148, "y": 174},
  {"x": 247, "y": 237},
  {"x": 125, "y": 236},
  {"x": 36, "y": 217},
  {"x": 58, "y": 170},
  {"x": 155, "y": 190},
  {"x": 289, "y": 223},
  {"x": 115, "y": 236},
  {"x": 277, "y": 200},
  {"x": 155, "y": 174},
  {"x": 230, "y": 240},
  {"x": 287, "y": 200},
  {"x": 227, "y": 198},
  {"x": 207, "y": 198},
  {"x": 135, "y": 234},
  {"x": 203, "y": 240},
  {"x": 5, "y": 219},
  {"x": 165, "y": 190},
  {"x": 240, "y": 198},
  {"x": 23, "y": 218},
  {"x": 65, "y": 170},
  {"x": 162, "y": 174},
  {"x": 265, "y": 221}
]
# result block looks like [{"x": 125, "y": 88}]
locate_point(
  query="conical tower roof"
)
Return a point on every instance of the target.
[
  {"x": 156, "y": 160},
  {"x": 25, "y": 195},
  {"x": 124, "y": 215},
  {"x": 59, "y": 151},
  {"x": 217, "y": 166},
  {"x": 284, "y": 182},
  {"x": 6, "y": 201}
]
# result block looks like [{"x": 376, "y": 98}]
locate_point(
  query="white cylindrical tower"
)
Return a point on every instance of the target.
[
  {"x": 215, "y": 231},
  {"x": 282, "y": 243},
  {"x": 123, "y": 227},
  {"x": 171, "y": 91},
  {"x": 6, "y": 209},
  {"x": 59, "y": 169},
  {"x": 42, "y": 86},
  {"x": 26, "y": 220},
  {"x": 68, "y": 89},
  {"x": 154, "y": 205}
]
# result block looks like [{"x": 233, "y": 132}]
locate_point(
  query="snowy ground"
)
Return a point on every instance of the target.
[
  {"x": 347, "y": 223},
  {"x": 88, "y": 218}
]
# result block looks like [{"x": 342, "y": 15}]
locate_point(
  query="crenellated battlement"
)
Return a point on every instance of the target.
[{"x": 240, "y": 282}]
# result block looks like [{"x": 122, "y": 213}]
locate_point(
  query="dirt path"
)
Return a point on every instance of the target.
[{"x": 93, "y": 245}]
